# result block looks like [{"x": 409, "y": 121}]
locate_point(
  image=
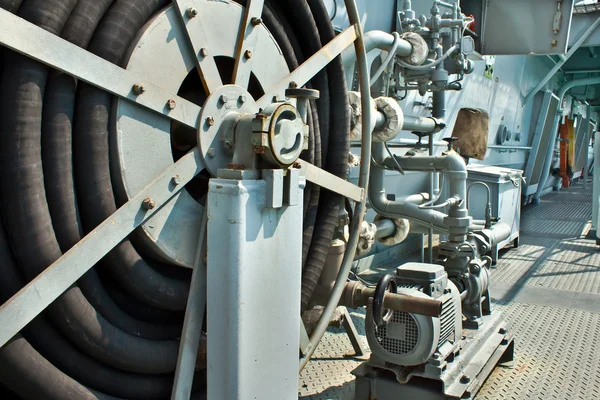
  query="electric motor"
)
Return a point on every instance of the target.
[{"x": 409, "y": 339}]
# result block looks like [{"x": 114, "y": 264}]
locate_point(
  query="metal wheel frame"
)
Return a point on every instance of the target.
[{"x": 42, "y": 46}]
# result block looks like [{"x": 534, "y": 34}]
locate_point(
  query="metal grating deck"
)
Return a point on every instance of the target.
[{"x": 549, "y": 288}]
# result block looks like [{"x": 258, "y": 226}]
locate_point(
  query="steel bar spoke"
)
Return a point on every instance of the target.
[
  {"x": 191, "y": 15},
  {"x": 246, "y": 42},
  {"x": 329, "y": 181},
  {"x": 23, "y": 37},
  {"x": 192, "y": 325},
  {"x": 304, "y": 73},
  {"x": 32, "y": 299}
]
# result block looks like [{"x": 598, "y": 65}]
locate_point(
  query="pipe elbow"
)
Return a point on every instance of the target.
[
  {"x": 454, "y": 162},
  {"x": 384, "y": 41}
]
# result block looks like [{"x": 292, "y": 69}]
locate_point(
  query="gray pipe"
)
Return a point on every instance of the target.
[
  {"x": 410, "y": 123},
  {"x": 456, "y": 222},
  {"x": 385, "y": 228},
  {"x": 383, "y": 41}
]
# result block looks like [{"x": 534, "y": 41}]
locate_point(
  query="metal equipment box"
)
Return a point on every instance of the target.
[{"x": 505, "y": 198}]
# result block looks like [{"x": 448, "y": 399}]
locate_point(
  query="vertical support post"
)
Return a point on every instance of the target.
[
  {"x": 254, "y": 280},
  {"x": 350, "y": 328},
  {"x": 192, "y": 325},
  {"x": 596, "y": 183}
]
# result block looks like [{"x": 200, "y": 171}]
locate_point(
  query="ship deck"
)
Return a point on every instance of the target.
[{"x": 548, "y": 287}]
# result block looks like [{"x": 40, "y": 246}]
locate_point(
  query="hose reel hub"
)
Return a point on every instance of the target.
[{"x": 146, "y": 143}]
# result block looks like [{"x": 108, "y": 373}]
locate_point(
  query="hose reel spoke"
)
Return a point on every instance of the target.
[
  {"x": 305, "y": 72},
  {"x": 24, "y": 306},
  {"x": 191, "y": 16},
  {"x": 247, "y": 40},
  {"x": 329, "y": 181},
  {"x": 23, "y": 37}
]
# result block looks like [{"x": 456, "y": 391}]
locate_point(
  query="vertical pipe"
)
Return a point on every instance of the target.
[
  {"x": 586, "y": 144},
  {"x": 596, "y": 182},
  {"x": 438, "y": 111}
]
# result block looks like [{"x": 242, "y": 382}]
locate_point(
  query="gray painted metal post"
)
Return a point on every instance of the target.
[
  {"x": 192, "y": 325},
  {"x": 253, "y": 292},
  {"x": 596, "y": 182}
]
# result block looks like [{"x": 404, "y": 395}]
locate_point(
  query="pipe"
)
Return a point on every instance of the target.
[
  {"x": 457, "y": 221},
  {"x": 428, "y": 67},
  {"x": 497, "y": 233},
  {"x": 411, "y": 123},
  {"x": 385, "y": 228},
  {"x": 356, "y": 294},
  {"x": 382, "y": 41},
  {"x": 488, "y": 205},
  {"x": 420, "y": 124}
]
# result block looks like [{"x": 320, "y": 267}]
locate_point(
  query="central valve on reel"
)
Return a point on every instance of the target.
[{"x": 233, "y": 130}]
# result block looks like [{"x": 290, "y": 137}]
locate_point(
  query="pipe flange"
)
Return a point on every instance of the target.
[
  {"x": 279, "y": 134},
  {"x": 420, "y": 50},
  {"x": 400, "y": 234},
  {"x": 394, "y": 119},
  {"x": 366, "y": 238},
  {"x": 354, "y": 99}
]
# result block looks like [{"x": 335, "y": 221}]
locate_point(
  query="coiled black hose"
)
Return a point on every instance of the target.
[{"x": 55, "y": 186}]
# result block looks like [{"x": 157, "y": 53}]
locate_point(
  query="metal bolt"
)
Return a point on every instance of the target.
[
  {"x": 191, "y": 12},
  {"x": 176, "y": 180},
  {"x": 211, "y": 152},
  {"x": 293, "y": 85},
  {"x": 275, "y": 99},
  {"x": 148, "y": 204},
  {"x": 256, "y": 21},
  {"x": 554, "y": 43},
  {"x": 204, "y": 52},
  {"x": 138, "y": 89},
  {"x": 171, "y": 104},
  {"x": 502, "y": 331},
  {"x": 555, "y": 31},
  {"x": 242, "y": 99},
  {"x": 248, "y": 54},
  {"x": 228, "y": 144},
  {"x": 224, "y": 99},
  {"x": 465, "y": 379},
  {"x": 210, "y": 121}
]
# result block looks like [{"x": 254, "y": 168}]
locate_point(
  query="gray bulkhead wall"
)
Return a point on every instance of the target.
[{"x": 502, "y": 95}]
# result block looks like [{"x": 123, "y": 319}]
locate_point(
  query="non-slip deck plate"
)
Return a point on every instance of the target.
[{"x": 548, "y": 288}]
